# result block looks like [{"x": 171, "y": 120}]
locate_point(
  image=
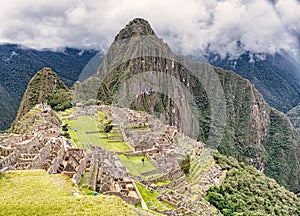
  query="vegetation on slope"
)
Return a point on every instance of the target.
[
  {"x": 275, "y": 76},
  {"x": 294, "y": 116},
  {"x": 45, "y": 87},
  {"x": 282, "y": 147},
  {"x": 34, "y": 192},
  {"x": 7, "y": 104},
  {"x": 246, "y": 191}
]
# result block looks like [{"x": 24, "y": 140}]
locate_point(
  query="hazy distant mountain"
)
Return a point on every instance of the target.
[
  {"x": 19, "y": 64},
  {"x": 277, "y": 77}
]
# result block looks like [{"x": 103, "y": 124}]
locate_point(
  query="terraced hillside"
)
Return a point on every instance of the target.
[{"x": 151, "y": 175}]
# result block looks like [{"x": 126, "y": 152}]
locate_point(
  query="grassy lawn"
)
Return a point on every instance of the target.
[
  {"x": 135, "y": 164},
  {"x": 119, "y": 146},
  {"x": 151, "y": 199},
  {"x": 82, "y": 136},
  {"x": 84, "y": 124},
  {"x": 34, "y": 192},
  {"x": 162, "y": 183}
]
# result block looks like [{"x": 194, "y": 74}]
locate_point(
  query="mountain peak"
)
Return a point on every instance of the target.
[
  {"x": 44, "y": 87},
  {"x": 136, "y": 27}
]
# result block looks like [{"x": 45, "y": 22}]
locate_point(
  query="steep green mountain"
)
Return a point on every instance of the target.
[
  {"x": 294, "y": 116},
  {"x": 19, "y": 64},
  {"x": 6, "y": 105},
  {"x": 276, "y": 76},
  {"x": 253, "y": 132},
  {"x": 45, "y": 87}
]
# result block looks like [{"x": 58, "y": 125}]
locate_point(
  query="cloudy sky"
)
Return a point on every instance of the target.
[{"x": 226, "y": 27}]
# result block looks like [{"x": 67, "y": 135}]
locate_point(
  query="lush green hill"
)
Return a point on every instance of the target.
[
  {"x": 7, "y": 104},
  {"x": 34, "y": 192},
  {"x": 253, "y": 131},
  {"x": 19, "y": 64},
  {"x": 45, "y": 87},
  {"x": 246, "y": 191}
]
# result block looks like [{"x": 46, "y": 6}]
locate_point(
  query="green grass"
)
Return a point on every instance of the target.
[
  {"x": 81, "y": 137},
  {"x": 34, "y": 192},
  {"x": 162, "y": 183},
  {"x": 135, "y": 164},
  {"x": 151, "y": 199},
  {"x": 82, "y": 125},
  {"x": 84, "y": 179}
]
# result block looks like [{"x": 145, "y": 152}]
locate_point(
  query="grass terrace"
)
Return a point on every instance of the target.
[
  {"x": 34, "y": 192},
  {"x": 162, "y": 183},
  {"x": 135, "y": 165},
  {"x": 83, "y": 130},
  {"x": 151, "y": 199}
]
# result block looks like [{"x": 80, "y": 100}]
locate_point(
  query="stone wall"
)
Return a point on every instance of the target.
[
  {"x": 40, "y": 159},
  {"x": 152, "y": 172},
  {"x": 162, "y": 178},
  {"x": 128, "y": 199},
  {"x": 80, "y": 171},
  {"x": 4, "y": 151},
  {"x": 57, "y": 161},
  {"x": 10, "y": 160}
]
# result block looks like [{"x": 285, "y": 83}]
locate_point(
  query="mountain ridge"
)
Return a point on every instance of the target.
[{"x": 275, "y": 76}]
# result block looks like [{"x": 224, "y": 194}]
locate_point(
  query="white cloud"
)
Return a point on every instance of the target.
[{"x": 226, "y": 27}]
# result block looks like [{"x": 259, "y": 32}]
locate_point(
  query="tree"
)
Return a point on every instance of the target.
[
  {"x": 143, "y": 160},
  {"x": 185, "y": 164}
]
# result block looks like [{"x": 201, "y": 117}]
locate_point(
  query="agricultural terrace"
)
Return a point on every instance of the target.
[
  {"x": 135, "y": 165},
  {"x": 87, "y": 129}
]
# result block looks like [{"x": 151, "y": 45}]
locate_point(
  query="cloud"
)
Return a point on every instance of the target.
[{"x": 225, "y": 27}]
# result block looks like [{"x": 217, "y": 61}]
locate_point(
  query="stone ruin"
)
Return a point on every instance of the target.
[
  {"x": 53, "y": 154},
  {"x": 112, "y": 177},
  {"x": 46, "y": 149}
]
